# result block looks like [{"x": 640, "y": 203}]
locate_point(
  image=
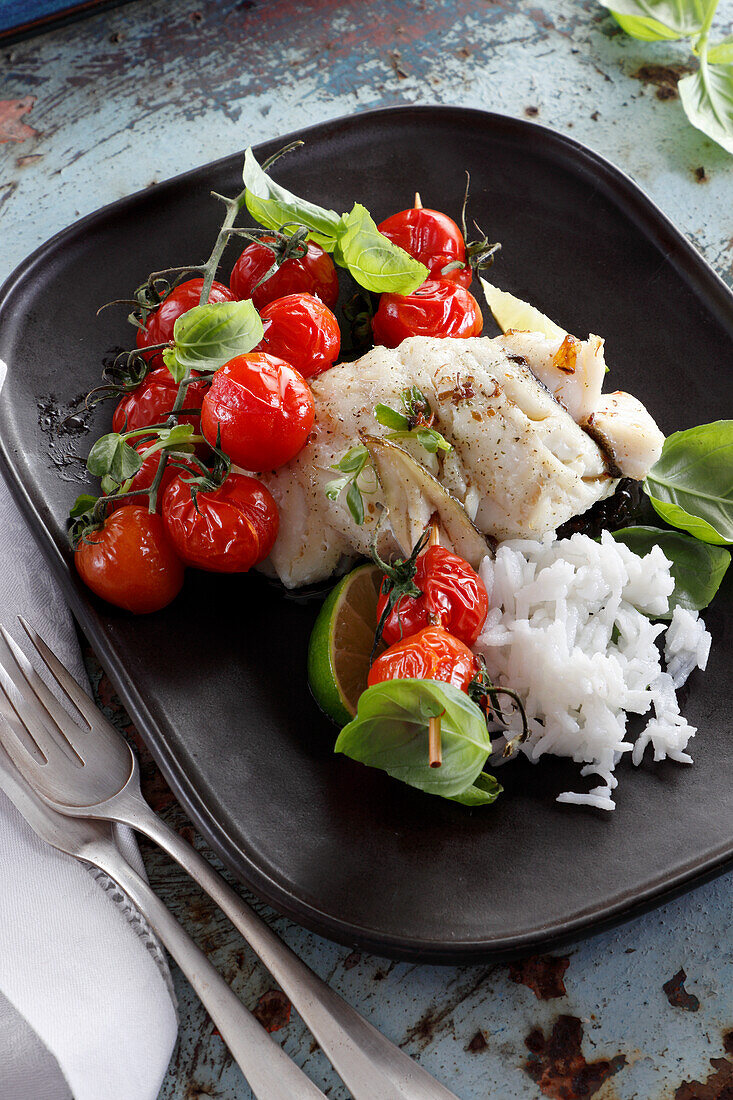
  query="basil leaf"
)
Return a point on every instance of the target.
[
  {"x": 208, "y": 336},
  {"x": 484, "y": 791},
  {"x": 390, "y": 418},
  {"x": 390, "y": 732},
  {"x": 691, "y": 486},
  {"x": 697, "y": 567},
  {"x": 274, "y": 206},
  {"x": 373, "y": 260},
  {"x": 112, "y": 455},
  {"x": 722, "y": 52},
  {"x": 653, "y": 20},
  {"x": 707, "y": 97},
  {"x": 83, "y": 504},
  {"x": 355, "y": 503}
]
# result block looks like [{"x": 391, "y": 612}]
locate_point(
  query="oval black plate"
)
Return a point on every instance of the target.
[{"x": 217, "y": 684}]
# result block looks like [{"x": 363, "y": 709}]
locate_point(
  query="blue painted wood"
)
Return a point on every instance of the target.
[{"x": 135, "y": 95}]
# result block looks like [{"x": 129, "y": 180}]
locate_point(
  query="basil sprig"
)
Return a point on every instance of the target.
[
  {"x": 697, "y": 567},
  {"x": 706, "y": 95},
  {"x": 350, "y": 466},
  {"x": 691, "y": 486},
  {"x": 373, "y": 260},
  {"x": 208, "y": 336},
  {"x": 415, "y": 422},
  {"x": 390, "y": 731}
]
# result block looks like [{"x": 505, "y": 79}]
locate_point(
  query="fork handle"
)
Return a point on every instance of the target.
[
  {"x": 371, "y": 1066},
  {"x": 269, "y": 1071}
]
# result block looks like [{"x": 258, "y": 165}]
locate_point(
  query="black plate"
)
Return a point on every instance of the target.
[{"x": 217, "y": 684}]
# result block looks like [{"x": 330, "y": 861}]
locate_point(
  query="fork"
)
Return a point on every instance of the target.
[
  {"x": 90, "y": 771},
  {"x": 269, "y": 1071}
]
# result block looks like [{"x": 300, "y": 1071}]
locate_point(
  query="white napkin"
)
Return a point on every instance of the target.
[{"x": 86, "y": 1006}]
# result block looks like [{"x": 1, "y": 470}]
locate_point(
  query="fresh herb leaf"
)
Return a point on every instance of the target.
[
  {"x": 484, "y": 791},
  {"x": 174, "y": 437},
  {"x": 112, "y": 456},
  {"x": 691, "y": 486},
  {"x": 373, "y": 260},
  {"x": 351, "y": 465},
  {"x": 355, "y": 503},
  {"x": 707, "y": 97},
  {"x": 390, "y": 418},
  {"x": 390, "y": 731},
  {"x": 654, "y": 20},
  {"x": 208, "y": 336},
  {"x": 83, "y": 504},
  {"x": 354, "y": 461},
  {"x": 432, "y": 441},
  {"x": 274, "y": 206},
  {"x": 697, "y": 567},
  {"x": 722, "y": 52}
]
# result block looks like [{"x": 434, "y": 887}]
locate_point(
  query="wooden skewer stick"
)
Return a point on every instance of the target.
[
  {"x": 418, "y": 201},
  {"x": 435, "y": 749}
]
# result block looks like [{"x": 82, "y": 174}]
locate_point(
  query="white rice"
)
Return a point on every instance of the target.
[{"x": 570, "y": 630}]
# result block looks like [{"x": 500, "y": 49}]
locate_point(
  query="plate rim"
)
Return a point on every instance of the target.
[{"x": 679, "y": 251}]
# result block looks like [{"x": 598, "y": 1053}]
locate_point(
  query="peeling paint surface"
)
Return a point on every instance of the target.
[{"x": 97, "y": 110}]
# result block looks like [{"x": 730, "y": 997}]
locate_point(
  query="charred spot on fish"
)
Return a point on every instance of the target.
[
  {"x": 566, "y": 355},
  {"x": 618, "y": 510},
  {"x": 520, "y": 361},
  {"x": 543, "y": 974},
  {"x": 462, "y": 391},
  {"x": 678, "y": 996},
  {"x": 559, "y": 1067}
]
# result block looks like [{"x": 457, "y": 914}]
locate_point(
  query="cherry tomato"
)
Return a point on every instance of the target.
[
  {"x": 152, "y": 401},
  {"x": 434, "y": 309},
  {"x": 226, "y": 530},
  {"x": 453, "y": 596},
  {"x": 313, "y": 274},
  {"x": 303, "y": 332},
  {"x": 432, "y": 238},
  {"x": 145, "y": 476},
  {"x": 263, "y": 408},
  {"x": 159, "y": 324},
  {"x": 431, "y": 654},
  {"x": 130, "y": 561}
]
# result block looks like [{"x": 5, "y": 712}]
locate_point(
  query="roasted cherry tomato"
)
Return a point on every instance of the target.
[
  {"x": 145, "y": 477},
  {"x": 313, "y": 273},
  {"x": 159, "y": 324},
  {"x": 152, "y": 401},
  {"x": 432, "y": 238},
  {"x": 431, "y": 654},
  {"x": 130, "y": 561},
  {"x": 225, "y": 530},
  {"x": 434, "y": 309},
  {"x": 263, "y": 409},
  {"x": 301, "y": 330},
  {"x": 453, "y": 596}
]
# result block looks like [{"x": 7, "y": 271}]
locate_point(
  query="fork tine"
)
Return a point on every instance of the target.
[
  {"x": 58, "y": 714},
  {"x": 37, "y": 718},
  {"x": 86, "y": 706},
  {"x": 21, "y": 736}
]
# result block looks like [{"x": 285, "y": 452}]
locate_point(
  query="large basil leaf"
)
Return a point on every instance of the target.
[
  {"x": 274, "y": 206},
  {"x": 722, "y": 52},
  {"x": 707, "y": 97},
  {"x": 691, "y": 486},
  {"x": 208, "y": 336},
  {"x": 374, "y": 261},
  {"x": 390, "y": 731},
  {"x": 652, "y": 20},
  {"x": 697, "y": 567}
]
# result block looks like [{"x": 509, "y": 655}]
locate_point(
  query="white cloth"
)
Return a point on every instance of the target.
[{"x": 86, "y": 1008}]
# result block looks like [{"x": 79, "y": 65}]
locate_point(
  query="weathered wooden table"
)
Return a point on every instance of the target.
[{"x": 105, "y": 107}]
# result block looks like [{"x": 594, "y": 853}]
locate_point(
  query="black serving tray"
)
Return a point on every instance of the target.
[{"x": 217, "y": 684}]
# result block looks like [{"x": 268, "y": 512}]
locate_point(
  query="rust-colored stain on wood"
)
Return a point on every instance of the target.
[
  {"x": 543, "y": 974},
  {"x": 557, "y": 1064},
  {"x": 12, "y": 128}
]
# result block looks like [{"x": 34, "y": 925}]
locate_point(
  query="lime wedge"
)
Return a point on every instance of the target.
[
  {"x": 341, "y": 643},
  {"x": 512, "y": 313}
]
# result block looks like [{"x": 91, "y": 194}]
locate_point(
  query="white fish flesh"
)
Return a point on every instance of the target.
[{"x": 519, "y": 464}]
